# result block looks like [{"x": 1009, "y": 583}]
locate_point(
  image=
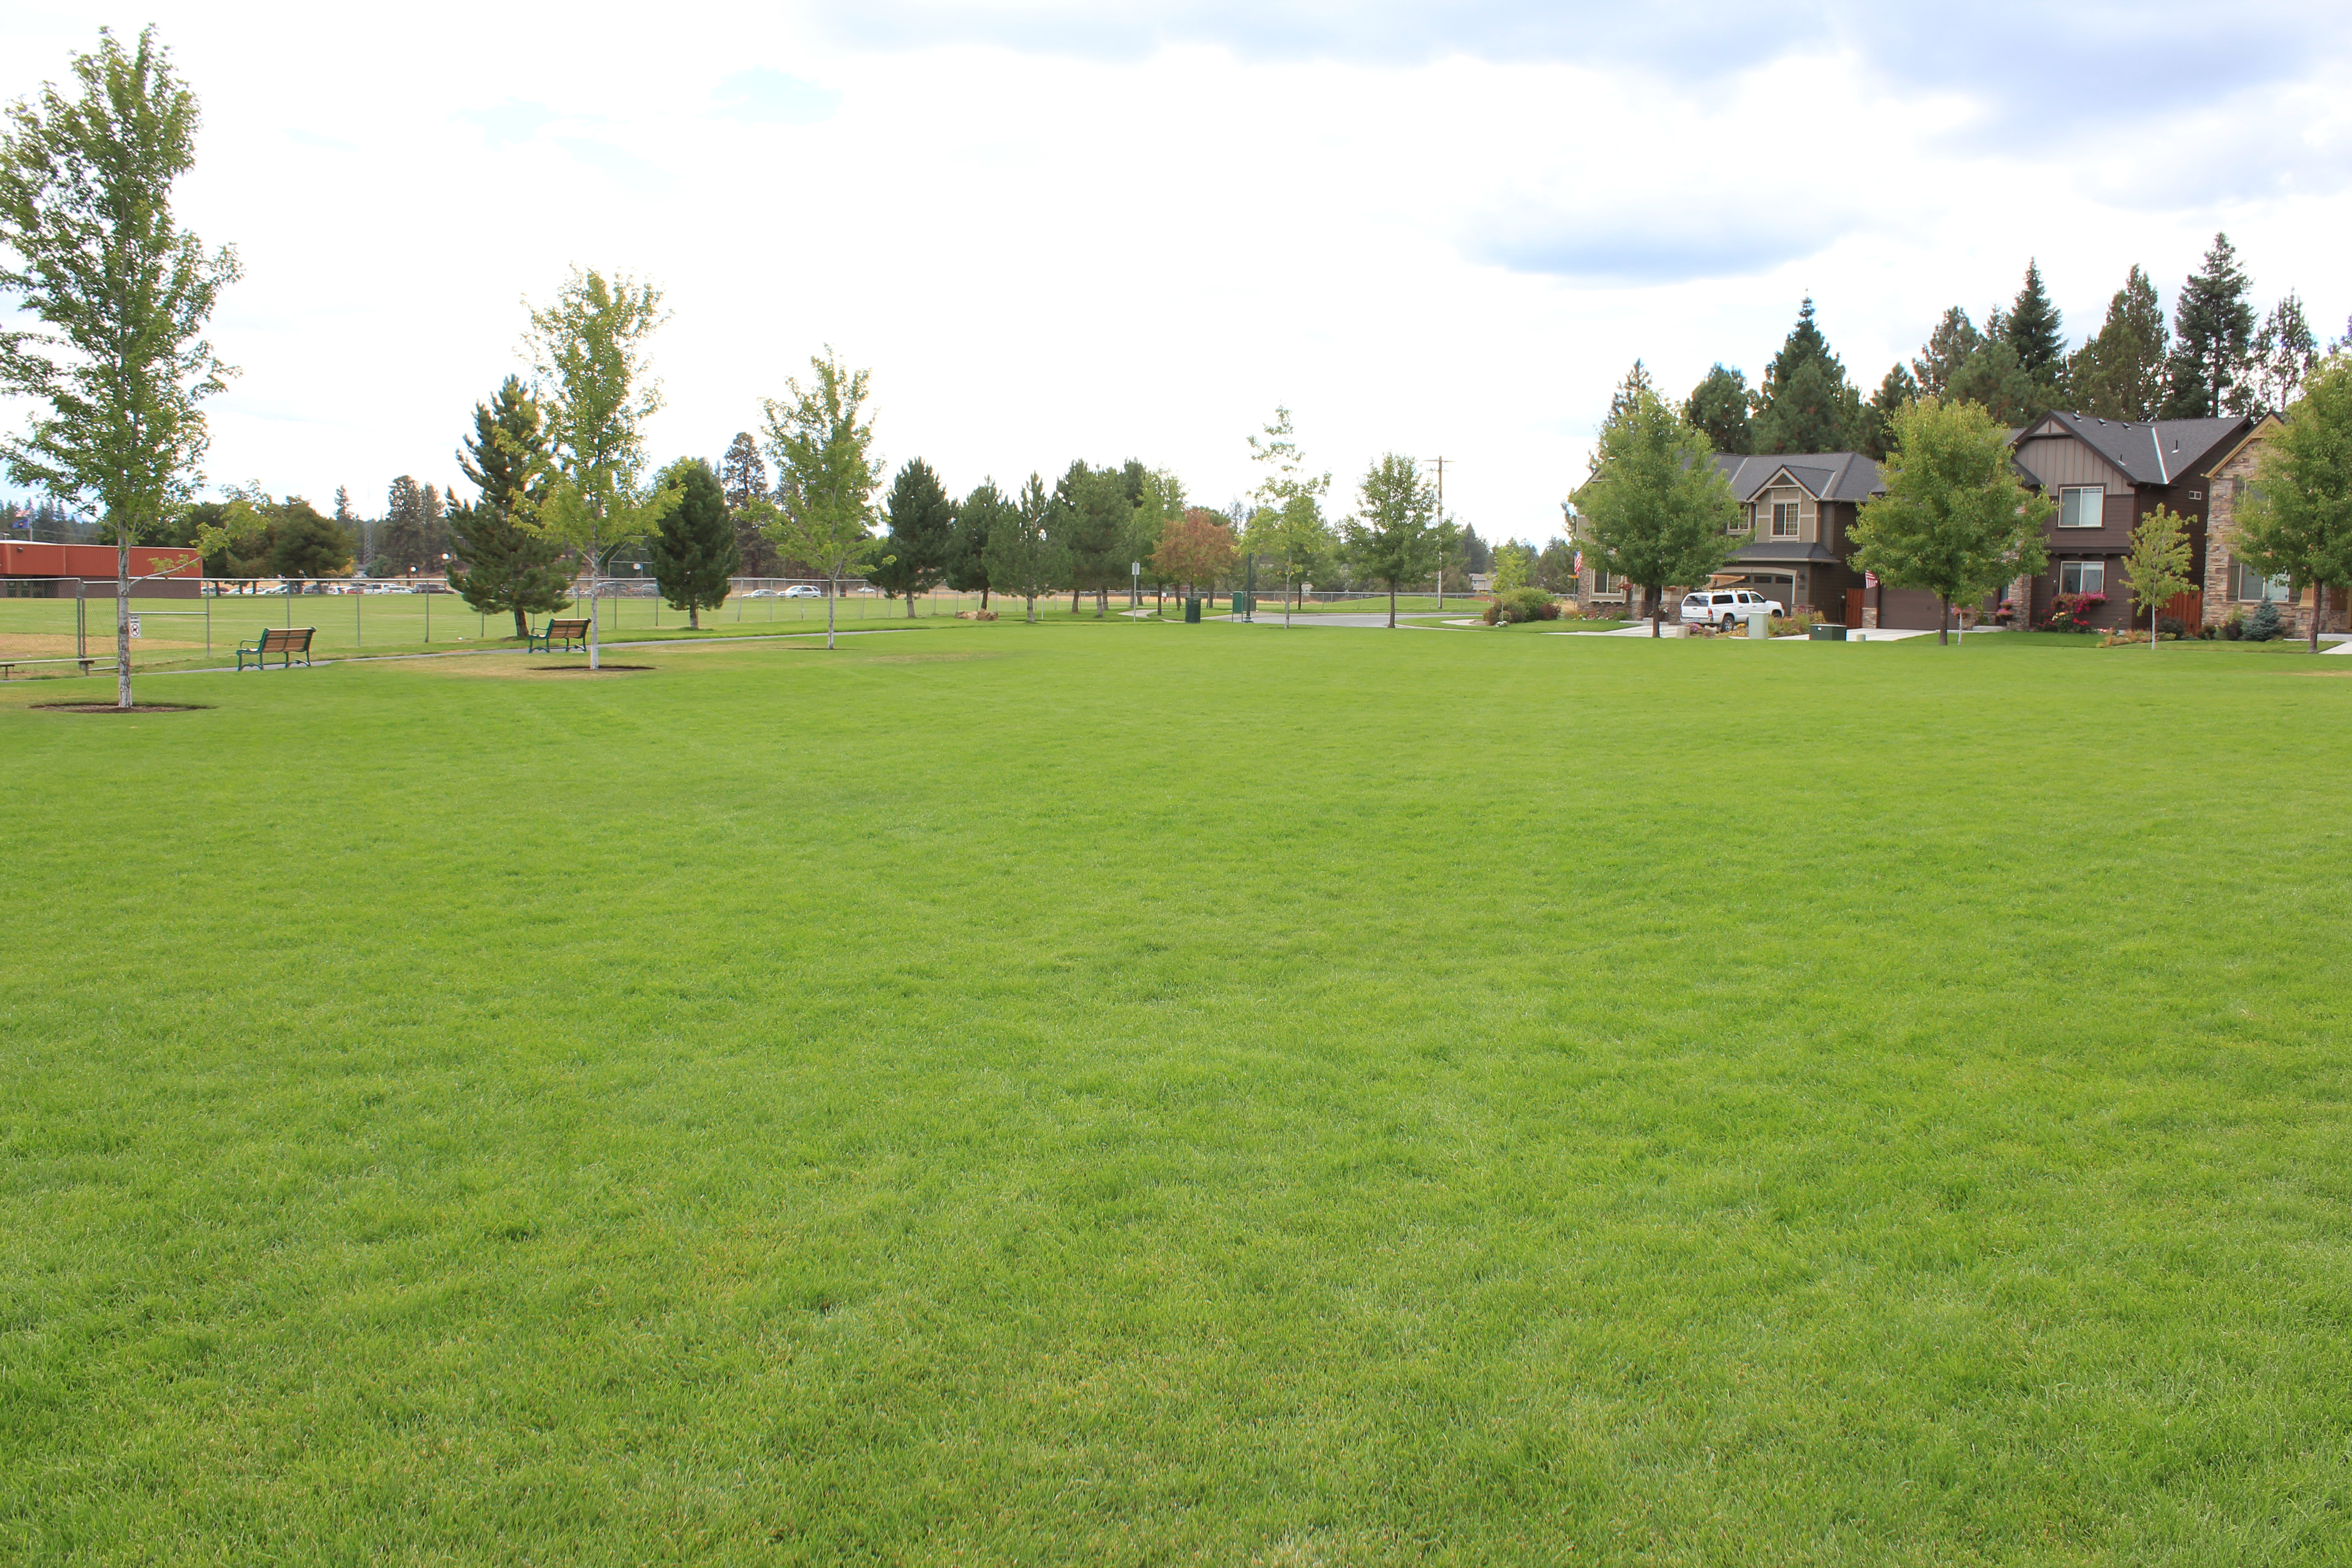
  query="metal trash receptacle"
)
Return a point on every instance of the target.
[
  {"x": 1245, "y": 605},
  {"x": 1825, "y": 632},
  {"x": 1191, "y": 611}
]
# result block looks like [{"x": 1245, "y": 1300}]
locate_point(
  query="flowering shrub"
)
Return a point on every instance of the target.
[
  {"x": 2073, "y": 612},
  {"x": 1513, "y": 605},
  {"x": 1795, "y": 624}
]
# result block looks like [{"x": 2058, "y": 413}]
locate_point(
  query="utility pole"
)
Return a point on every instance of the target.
[{"x": 1439, "y": 464}]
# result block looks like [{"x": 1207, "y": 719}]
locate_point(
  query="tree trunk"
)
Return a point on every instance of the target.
[
  {"x": 833, "y": 592},
  {"x": 1075, "y": 590},
  {"x": 122, "y": 621},
  {"x": 1285, "y": 595},
  {"x": 983, "y": 596},
  {"x": 1102, "y": 603},
  {"x": 2319, "y": 612},
  {"x": 1944, "y": 624},
  {"x": 1650, "y": 607},
  {"x": 693, "y": 617},
  {"x": 522, "y": 623},
  {"x": 910, "y": 604},
  {"x": 1392, "y": 603}
]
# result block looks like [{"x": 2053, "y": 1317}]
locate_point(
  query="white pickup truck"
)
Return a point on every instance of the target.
[{"x": 1725, "y": 608}]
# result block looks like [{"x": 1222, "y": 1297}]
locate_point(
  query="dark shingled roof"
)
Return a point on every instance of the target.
[
  {"x": 1827, "y": 476},
  {"x": 2150, "y": 452}
]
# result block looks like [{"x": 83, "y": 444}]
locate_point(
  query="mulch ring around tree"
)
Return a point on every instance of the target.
[
  {"x": 110, "y": 708},
  {"x": 583, "y": 669}
]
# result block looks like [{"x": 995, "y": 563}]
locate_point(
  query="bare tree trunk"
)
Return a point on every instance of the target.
[
  {"x": 832, "y": 585},
  {"x": 123, "y": 622},
  {"x": 522, "y": 623},
  {"x": 1944, "y": 623},
  {"x": 1392, "y": 603},
  {"x": 1650, "y": 607},
  {"x": 2319, "y": 612},
  {"x": 693, "y": 617},
  {"x": 1285, "y": 595}
]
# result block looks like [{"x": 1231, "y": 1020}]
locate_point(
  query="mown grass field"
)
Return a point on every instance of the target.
[{"x": 1147, "y": 1094}]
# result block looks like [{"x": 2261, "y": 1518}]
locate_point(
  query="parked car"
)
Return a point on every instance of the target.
[
  {"x": 803, "y": 591},
  {"x": 1725, "y": 608},
  {"x": 761, "y": 594}
]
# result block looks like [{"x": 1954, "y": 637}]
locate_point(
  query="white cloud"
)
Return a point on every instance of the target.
[{"x": 1139, "y": 250}]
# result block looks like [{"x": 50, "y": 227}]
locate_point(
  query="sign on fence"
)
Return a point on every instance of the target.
[{"x": 134, "y": 625}]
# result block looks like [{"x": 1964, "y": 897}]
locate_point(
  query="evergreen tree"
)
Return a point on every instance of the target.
[
  {"x": 743, "y": 477},
  {"x": 414, "y": 536},
  {"x": 1897, "y": 391},
  {"x": 2035, "y": 330},
  {"x": 1022, "y": 560},
  {"x": 982, "y": 513},
  {"x": 1090, "y": 522},
  {"x": 1949, "y": 347},
  {"x": 2119, "y": 373},
  {"x": 920, "y": 518},
  {"x": 1806, "y": 403},
  {"x": 1998, "y": 381},
  {"x": 2213, "y": 330},
  {"x": 503, "y": 562},
  {"x": 693, "y": 545},
  {"x": 1476, "y": 554},
  {"x": 2284, "y": 353},
  {"x": 1718, "y": 409}
]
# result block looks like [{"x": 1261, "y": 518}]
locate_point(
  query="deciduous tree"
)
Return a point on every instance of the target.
[
  {"x": 2296, "y": 520},
  {"x": 1954, "y": 519},
  {"x": 693, "y": 545},
  {"x": 304, "y": 546},
  {"x": 589, "y": 346},
  {"x": 822, "y": 441},
  {"x": 1396, "y": 535},
  {"x": 1288, "y": 523},
  {"x": 1655, "y": 511},
  {"x": 2157, "y": 566},
  {"x": 114, "y": 296},
  {"x": 1196, "y": 548}
]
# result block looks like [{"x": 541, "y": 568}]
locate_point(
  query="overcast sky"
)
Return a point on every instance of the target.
[{"x": 1058, "y": 230}]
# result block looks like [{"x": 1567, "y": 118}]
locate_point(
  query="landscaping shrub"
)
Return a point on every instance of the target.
[
  {"x": 2073, "y": 612},
  {"x": 2265, "y": 622},
  {"x": 1515, "y": 605},
  {"x": 1795, "y": 624},
  {"x": 2172, "y": 625}
]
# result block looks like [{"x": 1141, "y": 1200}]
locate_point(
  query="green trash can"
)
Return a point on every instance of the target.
[
  {"x": 1191, "y": 611},
  {"x": 1244, "y": 605}
]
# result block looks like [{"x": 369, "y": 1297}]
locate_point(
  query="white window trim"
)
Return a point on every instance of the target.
[{"x": 2100, "y": 512}]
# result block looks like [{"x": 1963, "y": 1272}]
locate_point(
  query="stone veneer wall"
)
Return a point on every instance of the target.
[{"x": 2223, "y": 499}]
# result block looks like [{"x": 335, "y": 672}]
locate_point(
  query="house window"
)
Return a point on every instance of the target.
[
  {"x": 2079, "y": 506},
  {"x": 1602, "y": 582},
  {"x": 1745, "y": 521},
  {"x": 1784, "y": 519},
  {"x": 2252, "y": 586},
  {"x": 2083, "y": 576}
]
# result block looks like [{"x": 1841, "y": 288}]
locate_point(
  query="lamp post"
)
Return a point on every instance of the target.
[{"x": 1134, "y": 586}]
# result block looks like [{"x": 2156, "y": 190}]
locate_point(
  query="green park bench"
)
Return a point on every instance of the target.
[
  {"x": 572, "y": 634},
  {"x": 283, "y": 641}
]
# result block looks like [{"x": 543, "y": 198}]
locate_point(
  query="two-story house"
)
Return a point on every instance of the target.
[{"x": 2106, "y": 475}]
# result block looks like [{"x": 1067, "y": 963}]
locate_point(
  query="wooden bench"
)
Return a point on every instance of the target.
[
  {"x": 283, "y": 641},
  {"x": 572, "y": 634}
]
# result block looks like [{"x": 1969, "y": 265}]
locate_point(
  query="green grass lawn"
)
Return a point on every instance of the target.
[{"x": 1116, "y": 1093}]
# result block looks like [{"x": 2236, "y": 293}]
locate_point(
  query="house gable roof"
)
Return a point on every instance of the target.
[
  {"x": 2147, "y": 451},
  {"x": 2262, "y": 431},
  {"x": 1824, "y": 476}
]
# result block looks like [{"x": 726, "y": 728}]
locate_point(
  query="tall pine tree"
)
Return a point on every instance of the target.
[
  {"x": 2035, "y": 329},
  {"x": 1718, "y": 409},
  {"x": 922, "y": 521},
  {"x": 504, "y": 563},
  {"x": 2119, "y": 373},
  {"x": 743, "y": 477},
  {"x": 982, "y": 513},
  {"x": 2213, "y": 330},
  {"x": 693, "y": 545},
  {"x": 1806, "y": 403},
  {"x": 1953, "y": 343},
  {"x": 414, "y": 537}
]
